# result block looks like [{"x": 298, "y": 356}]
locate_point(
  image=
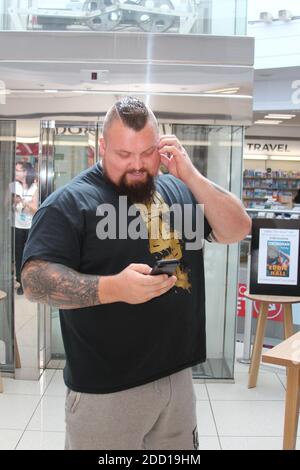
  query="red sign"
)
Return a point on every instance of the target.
[
  {"x": 27, "y": 149},
  {"x": 275, "y": 311}
]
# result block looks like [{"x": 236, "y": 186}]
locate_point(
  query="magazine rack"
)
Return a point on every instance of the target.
[{"x": 261, "y": 326}]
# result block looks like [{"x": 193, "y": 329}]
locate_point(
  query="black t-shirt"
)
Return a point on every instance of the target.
[{"x": 113, "y": 347}]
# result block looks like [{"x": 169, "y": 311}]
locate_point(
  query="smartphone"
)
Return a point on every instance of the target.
[{"x": 165, "y": 266}]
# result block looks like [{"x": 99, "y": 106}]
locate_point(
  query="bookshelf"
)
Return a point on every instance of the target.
[{"x": 261, "y": 185}]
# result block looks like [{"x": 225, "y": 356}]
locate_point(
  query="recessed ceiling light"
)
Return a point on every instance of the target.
[
  {"x": 50, "y": 91},
  {"x": 262, "y": 121},
  {"x": 255, "y": 157},
  {"x": 280, "y": 116},
  {"x": 224, "y": 90}
]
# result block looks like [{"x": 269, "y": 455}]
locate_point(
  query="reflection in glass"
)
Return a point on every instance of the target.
[
  {"x": 71, "y": 149},
  {"x": 7, "y": 157},
  {"x": 226, "y": 17}
]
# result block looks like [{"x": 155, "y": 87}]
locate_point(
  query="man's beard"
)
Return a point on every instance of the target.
[{"x": 137, "y": 192}]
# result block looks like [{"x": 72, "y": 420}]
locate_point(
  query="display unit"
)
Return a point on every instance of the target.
[{"x": 261, "y": 185}]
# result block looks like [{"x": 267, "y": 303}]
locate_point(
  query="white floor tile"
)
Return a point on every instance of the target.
[
  {"x": 16, "y": 410},
  {"x": 268, "y": 388},
  {"x": 9, "y": 438},
  {"x": 205, "y": 420},
  {"x": 39, "y": 440},
  {"x": 28, "y": 387},
  {"x": 49, "y": 416},
  {"x": 201, "y": 391},
  {"x": 209, "y": 443},
  {"x": 253, "y": 443},
  {"x": 249, "y": 418},
  {"x": 57, "y": 386}
]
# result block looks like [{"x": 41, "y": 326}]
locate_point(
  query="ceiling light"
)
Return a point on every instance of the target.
[
  {"x": 283, "y": 157},
  {"x": 280, "y": 116},
  {"x": 224, "y": 90},
  {"x": 262, "y": 121},
  {"x": 255, "y": 157},
  {"x": 50, "y": 91}
]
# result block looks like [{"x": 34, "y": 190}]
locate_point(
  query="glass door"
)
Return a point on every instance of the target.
[
  {"x": 7, "y": 164},
  {"x": 216, "y": 151},
  {"x": 66, "y": 150}
]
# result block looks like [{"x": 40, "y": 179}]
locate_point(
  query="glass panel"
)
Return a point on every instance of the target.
[
  {"x": 217, "y": 153},
  {"x": 27, "y": 189},
  {"x": 7, "y": 158},
  {"x": 75, "y": 147},
  {"x": 237, "y": 135},
  {"x": 226, "y": 17}
]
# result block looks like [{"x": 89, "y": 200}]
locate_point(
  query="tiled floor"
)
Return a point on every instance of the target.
[{"x": 230, "y": 416}]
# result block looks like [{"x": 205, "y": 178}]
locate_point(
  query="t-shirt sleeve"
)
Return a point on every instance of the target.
[{"x": 53, "y": 238}]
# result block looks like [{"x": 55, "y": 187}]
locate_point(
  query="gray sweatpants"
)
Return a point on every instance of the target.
[{"x": 156, "y": 416}]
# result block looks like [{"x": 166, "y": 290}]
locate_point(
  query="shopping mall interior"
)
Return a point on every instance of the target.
[{"x": 224, "y": 77}]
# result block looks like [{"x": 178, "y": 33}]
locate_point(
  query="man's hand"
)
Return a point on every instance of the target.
[
  {"x": 134, "y": 285},
  {"x": 175, "y": 158}
]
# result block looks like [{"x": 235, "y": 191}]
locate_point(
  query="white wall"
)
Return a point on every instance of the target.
[{"x": 277, "y": 44}]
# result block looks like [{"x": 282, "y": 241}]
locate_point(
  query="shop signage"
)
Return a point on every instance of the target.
[
  {"x": 275, "y": 311},
  {"x": 272, "y": 147}
]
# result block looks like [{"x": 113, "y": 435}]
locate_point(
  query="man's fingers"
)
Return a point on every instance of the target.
[
  {"x": 162, "y": 290},
  {"x": 165, "y": 284},
  {"x": 141, "y": 268}
]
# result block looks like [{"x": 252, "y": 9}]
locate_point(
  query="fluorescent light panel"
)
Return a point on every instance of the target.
[
  {"x": 223, "y": 90},
  {"x": 279, "y": 116},
  {"x": 262, "y": 121},
  {"x": 255, "y": 157},
  {"x": 285, "y": 158}
]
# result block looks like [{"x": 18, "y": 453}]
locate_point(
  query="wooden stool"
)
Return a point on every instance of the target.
[
  {"x": 287, "y": 354},
  {"x": 261, "y": 326}
]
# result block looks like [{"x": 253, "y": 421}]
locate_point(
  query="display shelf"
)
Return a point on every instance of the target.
[{"x": 279, "y": 185}]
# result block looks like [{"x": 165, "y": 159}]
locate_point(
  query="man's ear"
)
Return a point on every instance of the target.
[{"x": 102, "y": 146}]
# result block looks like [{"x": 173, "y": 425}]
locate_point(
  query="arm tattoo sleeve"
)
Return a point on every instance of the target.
[{"x": 59, "y": 285}]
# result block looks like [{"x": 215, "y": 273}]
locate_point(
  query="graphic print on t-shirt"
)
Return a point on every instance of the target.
[{"x": 164, "y": 241}]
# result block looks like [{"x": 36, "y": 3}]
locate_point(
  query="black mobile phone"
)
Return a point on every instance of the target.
[{"x": 165, "y": 266}]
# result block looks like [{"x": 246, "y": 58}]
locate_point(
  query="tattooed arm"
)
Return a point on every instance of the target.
[{"x": 58, "y": 285}]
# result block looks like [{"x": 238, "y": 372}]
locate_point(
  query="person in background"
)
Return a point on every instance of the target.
[
  {"x": 297, "y": 197},
  {"x": 25, "y": 203}
]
